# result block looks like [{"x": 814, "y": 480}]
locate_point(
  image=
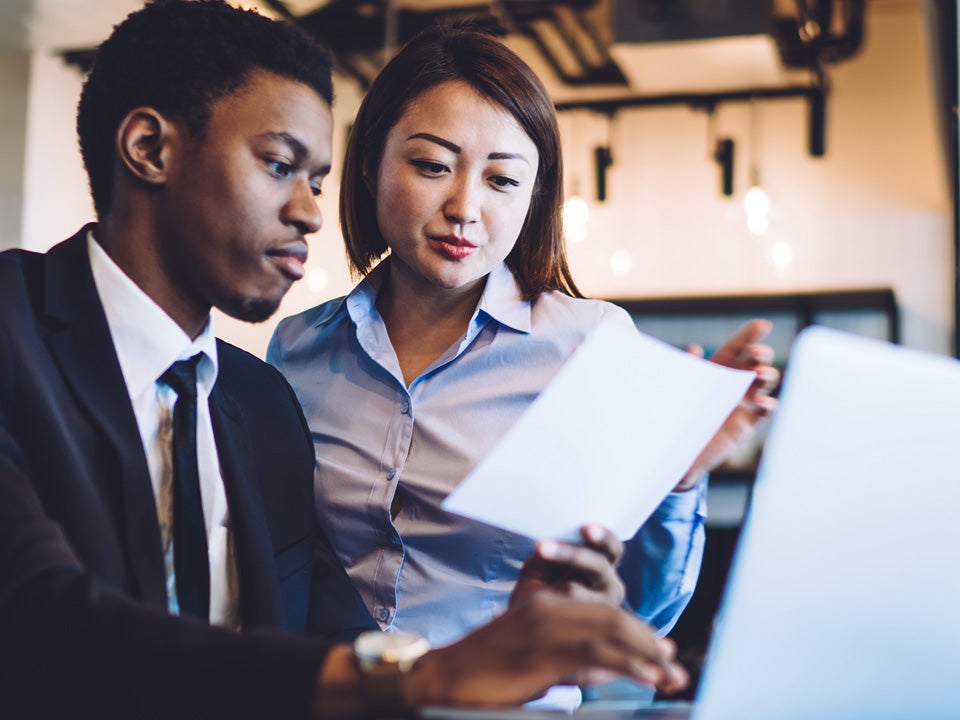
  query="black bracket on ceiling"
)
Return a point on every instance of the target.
[
  {"x": 355, "y": 33},
  {"x": 567, "y": 41},
  {"x": 809, "y": 40},
  {"x": 815, "y": 93}
]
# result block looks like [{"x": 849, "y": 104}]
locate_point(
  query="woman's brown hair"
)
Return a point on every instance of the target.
[{"x": 442, "y": 54}]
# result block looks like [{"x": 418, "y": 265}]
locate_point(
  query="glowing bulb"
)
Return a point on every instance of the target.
[
  {"x": 576, "y": 217},
  {"x": 621, "y": 262},
  {"x": 781, "y": 254},
  {"x": 757, "y": 205},
  {"x": 317, "y": 280}
]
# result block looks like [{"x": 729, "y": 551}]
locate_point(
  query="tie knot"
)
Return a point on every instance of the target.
[{"x": 182, "y": 376}]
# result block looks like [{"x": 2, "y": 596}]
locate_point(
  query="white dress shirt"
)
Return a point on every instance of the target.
[{"x": 147, "y": 342}]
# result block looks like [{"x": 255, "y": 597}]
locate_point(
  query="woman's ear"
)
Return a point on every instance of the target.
[
  {"x": 144, "y": 144},
  {"x": 369, "y": 178}
]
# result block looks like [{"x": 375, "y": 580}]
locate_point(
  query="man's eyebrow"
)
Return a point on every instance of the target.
[
  {"x": 291, "y": 141},
  {"x": 300, "y": 150},
  {"x": 457, "y": 149}
]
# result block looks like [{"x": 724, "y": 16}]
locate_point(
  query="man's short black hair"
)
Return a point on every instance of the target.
[{"x": 179, "y": 56}]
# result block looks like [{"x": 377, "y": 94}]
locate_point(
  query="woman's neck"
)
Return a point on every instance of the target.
[{"x": 423, "y": 322}]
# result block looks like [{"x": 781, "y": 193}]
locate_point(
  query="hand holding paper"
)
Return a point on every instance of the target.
[
  {"x": 605, "y": 442},
  {"x": 744, "y": 352}
]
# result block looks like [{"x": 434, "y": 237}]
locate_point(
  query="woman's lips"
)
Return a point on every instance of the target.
[{"x": 452, "y": 247}]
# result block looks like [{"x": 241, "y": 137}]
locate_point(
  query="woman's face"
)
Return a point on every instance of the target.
[{"x": 453, "y": 187}]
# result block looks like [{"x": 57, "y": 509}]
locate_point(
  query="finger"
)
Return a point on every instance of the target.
[
  {"x": 761, "y": 354},
  {"x": 581, "y": 593},
  {"x": 750, "y": 334},
  {"x": 752, "y": 357},
  {"x": 768, "y": 377},
  {"x": 579, "y": 563},
  {"x": 653, "y": 658},
  {"x": 576, "y": 560},
  {"x": 603, "y": 541},
  {"x": 763, "y": 406},
  {"x": 577, "y": 636},
  {"x": 695, "y": 349}
]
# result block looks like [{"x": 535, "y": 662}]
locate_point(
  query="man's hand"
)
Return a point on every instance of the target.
[
  {"x": 546, "y": 640},
  {"x": 744, "y": 352},
  {"x": 584, "y": 572}
]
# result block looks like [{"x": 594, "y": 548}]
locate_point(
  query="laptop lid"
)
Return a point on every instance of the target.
[{"x": 844, "y": 594}]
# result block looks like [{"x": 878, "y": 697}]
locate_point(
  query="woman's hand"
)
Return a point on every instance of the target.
[{"x": 743, "y": 351}]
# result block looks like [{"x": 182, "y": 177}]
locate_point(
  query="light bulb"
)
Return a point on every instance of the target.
[
  {"x": 621, "y": 262},
  {"x": 781, "y": 254},
  {"x": 576, "y": 217},
  {"x": 757, "y": 206},
  {"x": 317, "y": 280}
]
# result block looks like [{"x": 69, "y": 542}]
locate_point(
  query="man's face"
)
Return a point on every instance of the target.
[{"x": 239, "y": 200}]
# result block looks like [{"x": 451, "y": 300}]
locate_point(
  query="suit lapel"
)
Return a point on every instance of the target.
[
  {"x": 81, "y": 345},
  {"x": 259, "y": 594}
]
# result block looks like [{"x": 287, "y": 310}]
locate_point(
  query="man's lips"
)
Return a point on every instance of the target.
[{"x": 290, "y": 260}]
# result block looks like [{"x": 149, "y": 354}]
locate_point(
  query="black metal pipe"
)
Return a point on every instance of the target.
[
  {"x": 609, "y": 106},
  {"x": 724, "y": 156},
  {"x": 818, "y": 123}
]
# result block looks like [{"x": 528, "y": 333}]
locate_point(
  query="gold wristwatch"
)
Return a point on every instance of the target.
[{"x": 384, "y": 658}]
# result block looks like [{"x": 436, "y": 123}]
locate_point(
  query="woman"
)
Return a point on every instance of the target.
[{"x": 453, "y": 171}]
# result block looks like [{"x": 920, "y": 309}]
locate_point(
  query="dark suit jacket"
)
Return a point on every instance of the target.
[{"x": 83, "y": 621}]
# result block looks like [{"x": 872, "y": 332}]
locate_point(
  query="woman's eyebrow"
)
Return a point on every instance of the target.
[{"x": 454, "y": 148}]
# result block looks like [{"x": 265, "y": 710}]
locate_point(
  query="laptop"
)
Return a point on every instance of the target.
[{"x": 843, "y": 600}]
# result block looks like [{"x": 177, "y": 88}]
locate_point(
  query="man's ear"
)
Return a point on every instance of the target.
[{"x": 144, "y": 144}]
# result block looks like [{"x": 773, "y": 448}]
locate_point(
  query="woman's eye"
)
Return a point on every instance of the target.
[
  {"x": 430, "y": 168},
  {"x": 316, "y": 189},
  {"x": 504, "y": 182}
]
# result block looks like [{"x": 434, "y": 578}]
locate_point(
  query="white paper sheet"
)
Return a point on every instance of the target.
[{"x": 605, "y": 442}]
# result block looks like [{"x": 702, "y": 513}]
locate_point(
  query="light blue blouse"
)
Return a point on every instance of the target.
[{"x": 380, "y": 444}]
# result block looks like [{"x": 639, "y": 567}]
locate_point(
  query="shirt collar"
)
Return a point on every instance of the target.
[
  {"x": 502, "y": 299},
  {"x": 147, "y": 340},
  {"x": 361, "y": 302}
]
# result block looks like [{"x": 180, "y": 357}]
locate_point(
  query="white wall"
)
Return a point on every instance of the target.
[
  {"x": 56, "y": 198},
  {"x": 14, "y": 71},
  {"x": 875, "y": 211}
]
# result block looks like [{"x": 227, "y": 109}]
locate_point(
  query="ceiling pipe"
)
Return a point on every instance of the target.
[
  {"x": 609, "y": 106},
  {"x": 815, "y": 29}
]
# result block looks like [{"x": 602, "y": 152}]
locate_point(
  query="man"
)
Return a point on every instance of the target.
[{"x": 206, "y": 132}]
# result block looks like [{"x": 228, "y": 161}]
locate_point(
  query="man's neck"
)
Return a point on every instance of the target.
[{"x": 134, "y": 247}]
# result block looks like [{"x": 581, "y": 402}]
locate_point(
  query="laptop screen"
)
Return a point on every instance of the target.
[{"x": 844, "y": 594}]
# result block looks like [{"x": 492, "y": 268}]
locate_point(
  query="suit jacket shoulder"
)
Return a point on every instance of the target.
[{"x": 83, "y": 623}]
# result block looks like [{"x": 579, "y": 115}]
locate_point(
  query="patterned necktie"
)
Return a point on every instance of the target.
[{"x": 190, "y": 559}]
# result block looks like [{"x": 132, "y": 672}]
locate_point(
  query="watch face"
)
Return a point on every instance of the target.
[{"x": 391, "y": 647}]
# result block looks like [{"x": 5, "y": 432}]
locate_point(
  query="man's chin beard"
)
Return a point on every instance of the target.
[{"x": 253, "y": 311}]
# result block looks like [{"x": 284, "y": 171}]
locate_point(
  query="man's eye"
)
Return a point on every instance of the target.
[{"x": 279, "y": 168}]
